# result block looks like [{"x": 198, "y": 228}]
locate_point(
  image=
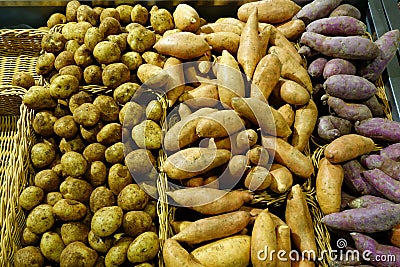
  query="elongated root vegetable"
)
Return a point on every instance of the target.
[
  {"x": 281, "y": 178},
  {"x": 304, "y": 122},
  {"x": 338, "y": 66},
  {"x": 347, "y": 47},
  {"x": 283, "y": 243},
  {"x": 387, "y": 165},
  {"x": 385, "y": 184},
  {"x": 263, "y": 236},
  {"x": 258, "y": 178},
  {"x": 354, "y": 180},
  {"x": 292, "y": 29},
  {"x": 220, "y": 41},
  {"x": 349, "y": 111},
  {"x": 206, "y": 95},
  {"x": 266, "y": 76},
  {"x": 350, "y": 87},
  {"x": 328, "y": 186},
  {"x": 367, "y": 201},
  {"x": 346, "y": 10},
  {"x": 337, "y": 26},
  {"x": 213, "y": 227},
  {"x": 379, "y": 128},
  {"x": 186, "y": 18},
  {"x": 209, "y": 200},
  {"x": 348, "y": 147},
  {"x": 331, "y": 127},
  {"x": 294, "y": 94},
  {"x": 230, "y": 251},
  {"x": 221, "y": 123},
  {"x": 316, "y": 67},
  {"x": 298, "y": 218},
  {"x": 277, "y": 38},
  {"x": 287, "y": 113},
  {"x": 176, "y": 82},
  {"x": 317, "y": 9},
  {"x": 391, "y": 151},
  {"x": 175, "y": 255}
]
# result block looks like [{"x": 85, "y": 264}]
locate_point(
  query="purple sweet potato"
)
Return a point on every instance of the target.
[
  {"x": 367, "y": 201},
  {"x": 316, "y": 67},
  {"x": 338, "y": 66},
  {"x": 331, "y": 127},
  {"x": 376, "y": 218},
  {"x": 385, "y": 184},
  {"x": 346, "y": 10},
  {"x": 349, "y": 111},
  {"x": 373, "y": 104},
  {"x": 391, "y": 151},
  {"x": 388, "y": 166},
  {"x": 317, "y": 9},
  {"x": 347, "y": 47},
  {"x": 349, "y": 87},
  {"x": 337, "y": 26},
  {"x": 345, "y": 199},
  {"x": 307, "y": 51},
  {"x": 376, "y": 252},
  {"x": 354, "y": 181},
  {"x": 379, "y": 128},
  {"x": 388, "y": 43}
]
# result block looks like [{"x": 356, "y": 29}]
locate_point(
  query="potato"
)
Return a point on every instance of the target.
[
  {"x": 73, "y": 70},
  {"x": 100, "y": 244},
  {"x": 147, "y": 134},
  {"x": 124, "y": 93},
  {"x": 56, "y": 18},
  {"x": 90, "y": 133},
  {"x": 74, "y": 164},
  {"x": 28, "y": 256},
  {"x": 108, "y": 108},
  {"x": 161, "y": 20},
  {"x": 45, "y": 63},
  {"x": 51, "y": 246},
  {"x": 76, "y": 189},
  {"x": 132, "y": 60},
  {"x": 106, "y": 221},
  {"x": 258, "y": 178},
  {"x": 53, "y": 42},
  {"x": 36, "y": 93},
  {"x": 118, "y": 252},
  {"x": 144, "y": 248},
  {"x": 72, "y": 46},
  {"x": 141, "y": 39},
  {"x": 40, "y": 219},
  {"x": 93, "y": 75},
  {"x": 151, "y": 209},
  {"x": 71, "y": 9},
  {"x": 106, "y": 52},
  {"x": 66, "y": 127},
  {"x": 140, "y": 161},
  {"x": 69, "y": 210},
  {"x": 139, "y": 14},
  {"x": 132, "y": 197},
  {"x": 42, "y": 154},
  {"x": 154, "y": 111},
  {"x": 121, "y": 40},
  {"x": 109, "y": 26},
  {"x": 64, "y": 86},
  {"x": 43, "y": 123},
  {"x": 93, "y": 36},
  {"x": 124, "y": 13},
  {"x": 119, "y": 177},
  {"x": 63, "y": 59},
  {"x": 115, "y": 153},
  {"x": 86, "y": 115},
  {"x": 74, "y": 231},
  {"x": 96, "y": 173},
  {"x": 94, "y": 152},
  {"x": 78, "y": 99},
  {"x": 111, "y": 133},
  {"x": 83, "y": 56},
  {"x": 76, "y": 31},
  {"x": 101, "y": 197},
  {"x": 136, "y": 222},
  {"x": 86, "y": 13},
  {"x": 28, "y": 238},
  {"x": 153, "y": 58},
  {"x": 131, "y": 114},
  {"x": 30, "y": 197},
  {"x": 115, "y": 74},
  {"x": 78, "y": 254},
  {"x": 23, "y": 79},
  {"x": 53, "y": 197}
]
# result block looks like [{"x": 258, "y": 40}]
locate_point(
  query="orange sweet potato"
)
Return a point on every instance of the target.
[
  {"x": 266, "y": 76},
  {"x": 304, "y": 122}
]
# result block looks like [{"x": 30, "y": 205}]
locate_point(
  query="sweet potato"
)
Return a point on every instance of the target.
[
  {"x": 214, "y": 227},
  {"x": 183, "y": 45},
  {"x": 186, "y": 18},
  {"x": 283, "y": 243},
  {"x": 176, "y": 83},
  {"x": 237, "y": 165},
  {"x": 178, "y": 226},
  {"x": 250, "y": 50},
  {"x": 328, "y": 186},
  {"x": 229, "y": 20},
  {"x": 258, "y": 178},
  {"x": 316, "y": 9},
  {"x": 349, "y": 87},
  {"x": 265, "y": 77},
  {"x": 191, "y": 162},
  {"x": 331, "y": 127},
  {"x": 337, "y": 26},
  {"x": 263, "y": 236},
  {"x": 287, "y": 113},
  {"x": 375, "y": 106},
  {"x": 183, "y": 132},
  {"x": 345, "y": 199},
  {"x": 260, "y": 113},
  {"x": 209, "y": 200},
  {"x": 221, "y": 27},
  {"x": 270, "y": 11},
  {"x": 221, "y": 123},
  {"x": 175, "y": 255},
  {"x": 298, "y": 218},
  {"x": 304, "y": 123},
  {"x": 383, "y": 183},
  {"x": 338, "y": 66},
  {"x": 316, "y": 67},
  {"x": 366, "y": 201},
  {"x": 282, "y": 178},
  {"x": 293, "y": 93},
  {"x": 244, "y": 140},
  {"x": 291, "y": 69},
  {"x": 387, "y": 44},
  {"x": 205, "y": 95},
  {"x": 292, "y": 29},
  {"x": 379, "y": 128},
  {"x": 229, "y": 251},
  {"x": 349, "y": 111},
  {"x": 376, "y": 218},
  {"x": 277, "y": 38},
  {"x": 347, "y": 47},
  {"x": 220, "y": 41},
  {"x": 376, "y": 251},
  {"x": 230, "y": 80},
  {"x": 193, "y": 182},
  {"x": 289, "y": 156},
  {"x": 348, "y": 147},
  {"x": 307, "y": 52},
  {"x": 258, "y": 156},
  {"x": 387, "y": 165},
  {"x": 391, "y": 151},
  {"x": 152, "y": 75},
  {"x": 346, "y": 10},
  {"x": 303, "y": 263},
  {"x": 394, "y": 236}
]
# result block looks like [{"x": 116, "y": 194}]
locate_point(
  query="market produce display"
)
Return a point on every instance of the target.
[{"x": 221, "y": 112}]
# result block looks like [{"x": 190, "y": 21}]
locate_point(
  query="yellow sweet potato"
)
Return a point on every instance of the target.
[
  {"x": 175, "y": 255},
  {"x": 152, "y": 75},
  {"x": 266, "y": 76},
  {"x": 233, "y": 21},
  {"x": 220, "y": 41},
  {"x": 293, "y": 93},
  {"x": 176, "y": 83},
  {"x": 303, "y": 263},
  {"x": 304, "y": 122},
  {"x": 287, "y": 113},
  {"x": 186, "y": 18},
  {"x": 178, "y": 226},
  {"x": 219, "y": 124},
  {"x": 193, "y": 182},
  {"x": 328, "y": 186},
  {"x": 258, "y": 178},
  {"x": 229, "y": 251},
  {"x": 258, "y": 156},
  {"x": 276, "y": 38},
  {"x": 220, "y": 27},
  {"x": 205, "y": 95},
  {"x": 298, "y": 218},
  {"x": 281, "y": 178},
  {"x": 283, "y": 243},
  {"x": 292, "y": 29}
]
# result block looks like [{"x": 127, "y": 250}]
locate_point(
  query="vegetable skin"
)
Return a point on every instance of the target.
[
  {"x": 379, "y": 128},
  {"x": 383, "y": 183},
  {"x": 349, "y": 87},
  {"x": 338, "y": 66},
  {"x": 337, "y": 26},
  {"x": 349, "y": 111},
  {"x": 316, "y": 9}
]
